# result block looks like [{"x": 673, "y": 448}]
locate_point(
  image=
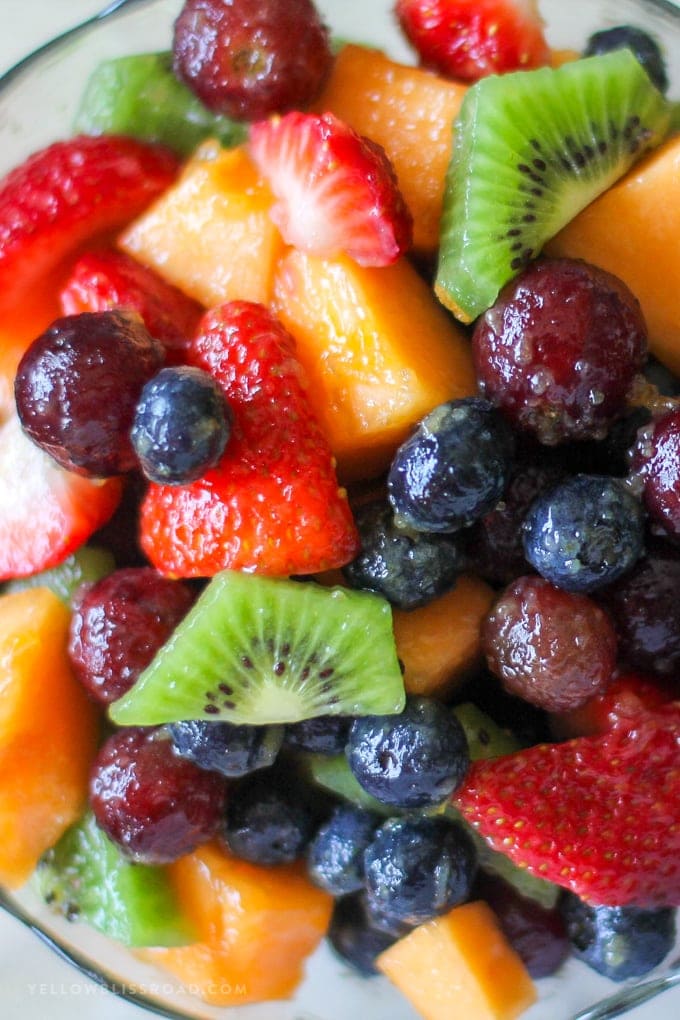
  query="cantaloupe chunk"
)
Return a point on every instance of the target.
[
  {"x": 460, "y": 966},
  {"x": 632, "y": 230},
  {"x": 257, "y": 926},
  {"x": 210, "y": 234},
  {"x": 378, "y": 349},
  {"x": 440, "y": 644},
  {"x": 48, "y": 731},
  {"x": 410, "y": 112}
]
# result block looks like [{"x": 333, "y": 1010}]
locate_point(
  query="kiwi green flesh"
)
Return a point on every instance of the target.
[
  {"x": 486, "y": 739},
  {"x": 85, "y": 876},
  {"x": 531, "y": 150},
  {"x": 259, "y": 650},
  {"x": 86, "y": 565},
  {"x": 140, "y": 96},
  {"x": 332, "y": 773}
]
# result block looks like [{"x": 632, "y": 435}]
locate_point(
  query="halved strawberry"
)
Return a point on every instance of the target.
[
  {"x": 102, "y": 280},
  {"x": 67, "y": 193},
  {"x": 272, "y": 504},
  {"x": 598, "y": 815},
  {"x": 45, "y": 512},
  {"x": 625, "y": 698},
  {"x": 336, "y": 190},
  {"x": 468, "y": 39}
]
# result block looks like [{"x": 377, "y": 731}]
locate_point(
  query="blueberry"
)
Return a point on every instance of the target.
[
  {"x": 584, "y": 533},
  {"x": 265, "y": 822},
  {"x": 181, "y": 425},
  {"x": 418, "y": 868},
  {"x": 642, "y": 45},
  {"x": 354, "y": 938},
  {"x": 412, "y": 760},
  {"x": 227, "y": 748},
  {"x": 335, "y": 856},
  {"x": 619, "y": 942},
  {"x": 407, "y": 568},
  {"x": 453, "y": 469},
  {"x": 323, "y": 734}
]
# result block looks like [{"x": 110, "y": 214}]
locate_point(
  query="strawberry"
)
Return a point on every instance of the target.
[
  {"x": 45, "y": 512},
  {"x": 599, "y": 815},
  {"x": 620, "y": 702},
  {"x": 336, "y": 190},
  {"x": 272, "y": 504},
  {"x": 103, "y": 280},
  {"x": 468, "y": 39},
  {"x": 68, "y": 193}
]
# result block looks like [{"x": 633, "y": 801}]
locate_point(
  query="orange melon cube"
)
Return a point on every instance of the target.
[
  {"x": 48, "y": 731},
  {"x": 410, "y": 112},
  {"x": 440, "y": 644},
  {"x": 632, "y": 231},
  {"x": 210, "y": 234},
  {"x": 460, "y": 966},
  {"x": 256, "y": 925},
  {"x": 378, "y": 349}
]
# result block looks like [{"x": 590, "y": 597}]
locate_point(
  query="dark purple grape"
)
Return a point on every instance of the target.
[
  {"x": 537, "y": 933},
  {"x": 153, "y": 804},
  {"x": 118, "y": 625},
  {"x": 645, "y": 608},
  {"x": 78, "y": 384},
  {"x": 494, "y": 546},
  {"x": 559, "y": 349},
  {"x": 251, "y": 58}
]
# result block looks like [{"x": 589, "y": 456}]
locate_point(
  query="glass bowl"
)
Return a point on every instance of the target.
[{"x": 37, "y": 103}]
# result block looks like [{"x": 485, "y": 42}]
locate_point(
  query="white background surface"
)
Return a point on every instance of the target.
[{"x": 34, "y": 985}]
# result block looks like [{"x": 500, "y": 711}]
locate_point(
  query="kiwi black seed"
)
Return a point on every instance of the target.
[
  {"x": 531, "y": 149},
  {"x": 259, "y": 650},
  {"x": 86, "y": 876}
]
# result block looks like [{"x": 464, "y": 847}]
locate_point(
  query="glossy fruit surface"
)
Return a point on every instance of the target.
[
  {"x": 250, "y": 58},
  {"x": 103, "y": 280},
  {"x": 118, "y": 625},
  {"x": 418, "y": 868},
  {"x": 70, "y": 192},
  {"x": 154, "y": 805},
  {"x": 409, "y": 568},
  {"x": 471, "y": 38},
  {"x": 619, "y": 942},
  {"x": 181, "y": 425},
  {"x": 77, "y": 386},
  {"x": 656, "y": 459},
  {"x": 453, "y": 468},
  {"x": 645, "y": 611},
  {"x": 584, "y": 533},
  {"x": 272, "y": 504},
  {"x": 411, "y": 760},
  {"x": 541, "y": 354},
  {"x": 555, "y": 649},
  {"x": 570, "y": 812},
  {"x": 337, "y": 191}
]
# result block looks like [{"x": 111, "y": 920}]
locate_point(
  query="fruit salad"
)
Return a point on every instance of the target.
[{"x": 340, "y": 504}]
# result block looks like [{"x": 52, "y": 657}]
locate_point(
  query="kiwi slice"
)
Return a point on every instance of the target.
[
  {"x": 265, "y": 650},
  {"x": 87, "y": 564},
  {"x": 85, "y": 876},
  {"x": 140, "y": 96},
  {"x": 531, "y": 150},
  {"x": 486, "y": 739},
  {"x": 332, "y": 773}
]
